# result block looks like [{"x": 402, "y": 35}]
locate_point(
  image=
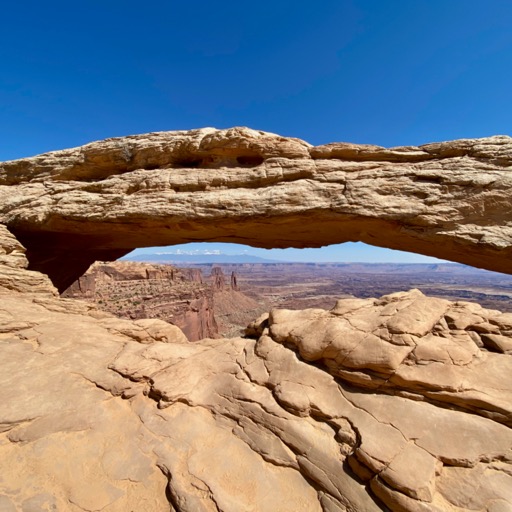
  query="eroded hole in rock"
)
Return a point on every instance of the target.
[
  {"x": 96, "y": 175},
  {"x": 219, "y": 161},
  {"x": 250, "y": 161},
  {"x": 191, "y": 163},
  {"x": 436, "y": 180}
]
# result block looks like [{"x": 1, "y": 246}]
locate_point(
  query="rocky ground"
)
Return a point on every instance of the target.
[{"x": 401, "y": 402}]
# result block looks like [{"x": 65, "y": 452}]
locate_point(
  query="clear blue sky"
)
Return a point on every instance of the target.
[{"x": 369, "y": 71}]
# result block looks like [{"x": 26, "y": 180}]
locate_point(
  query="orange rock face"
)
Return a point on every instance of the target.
[
  {"x": 181, "y": 296},
  {"x": 137, "y": 290}
]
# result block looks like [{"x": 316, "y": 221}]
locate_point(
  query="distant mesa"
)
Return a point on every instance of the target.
[{"x": 212, "y": 258}]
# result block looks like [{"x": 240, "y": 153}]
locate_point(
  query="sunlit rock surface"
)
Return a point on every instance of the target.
[
  {"x": 99, "y": 201},
  {"x": 399, "y": 403}
]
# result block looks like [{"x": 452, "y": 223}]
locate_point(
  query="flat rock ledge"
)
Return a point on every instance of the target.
[
  {"x": 72, "y": 207},
  {"x": 398, "y": 403}
]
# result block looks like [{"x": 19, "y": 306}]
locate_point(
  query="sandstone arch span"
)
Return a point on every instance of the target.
[{"x": 69, "y": 208}]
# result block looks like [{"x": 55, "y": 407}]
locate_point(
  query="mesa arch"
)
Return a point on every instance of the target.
[{"x": 72, "y": 207}]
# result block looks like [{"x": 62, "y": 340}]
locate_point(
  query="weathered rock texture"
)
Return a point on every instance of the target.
[
  {"x": 401, "y": 403},
  {"x": 97, "y": 202}
]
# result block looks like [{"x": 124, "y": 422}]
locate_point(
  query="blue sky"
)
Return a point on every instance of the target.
[
  {"x": 340, "y": 253},
  {"x": 381, "y": 72}
]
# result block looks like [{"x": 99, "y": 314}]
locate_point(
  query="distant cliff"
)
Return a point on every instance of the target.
[
  {"x": 137, "y": 290},
  {"x": 181, "y": 296}
]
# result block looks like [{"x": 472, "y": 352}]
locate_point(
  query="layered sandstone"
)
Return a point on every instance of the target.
[
  {"x": 99, "y": 201},
  {"x": 202, "y": 307},
  {"x": 137, "y": 291},
  {"x": 400, "y": 403}
]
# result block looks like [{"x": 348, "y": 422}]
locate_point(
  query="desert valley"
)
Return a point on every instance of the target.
[{"x": 221, "y": 299}]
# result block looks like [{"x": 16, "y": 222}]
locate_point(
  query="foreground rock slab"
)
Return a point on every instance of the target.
[
  {"x": 100, "y": 201},
  {"x": 399, "y": 403}
]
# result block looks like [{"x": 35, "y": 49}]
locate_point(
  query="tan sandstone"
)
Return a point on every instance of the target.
[
  {"x": 401, "y": 409},
  {"x": 99, "y": 201}
]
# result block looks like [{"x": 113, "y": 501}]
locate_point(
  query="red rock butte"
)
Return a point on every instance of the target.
[{"x": 72, "y": 207}]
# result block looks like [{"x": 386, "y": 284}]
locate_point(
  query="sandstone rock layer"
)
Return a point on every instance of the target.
[
  {"x": 137, "y": 290},
  {"x": 99, "y": 201},
  {"x": 201, "y": 306}
]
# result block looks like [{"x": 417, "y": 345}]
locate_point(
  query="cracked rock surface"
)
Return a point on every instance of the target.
[
  {"x": 400, "y": 403},
  {"x": 99, "y": 201}
]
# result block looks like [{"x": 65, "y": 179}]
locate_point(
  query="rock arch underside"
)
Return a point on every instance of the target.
[
  {"x": 72, "y": 207},
  {"x": 400, "y": 403}
]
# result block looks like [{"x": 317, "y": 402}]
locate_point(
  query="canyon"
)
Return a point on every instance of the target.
[
  {"x": 201, "y": 306},
  {"x": 401, "y": 402},
  {"x": 204, "y": 303},
  {"x": 306, "y": 285}
]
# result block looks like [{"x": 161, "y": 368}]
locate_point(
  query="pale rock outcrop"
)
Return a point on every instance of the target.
[
  {"x": 395, "y": 403},
  {"x": 99, "y": 201},
  {"x": 408, "y": 343},
  {"x": 14, "y": 276}
]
